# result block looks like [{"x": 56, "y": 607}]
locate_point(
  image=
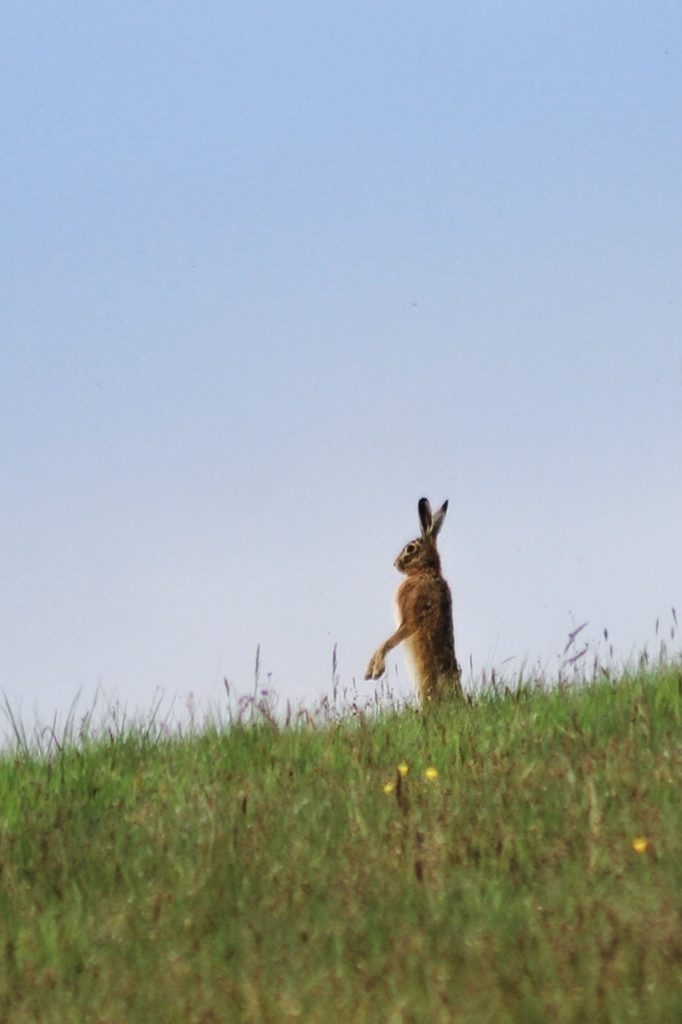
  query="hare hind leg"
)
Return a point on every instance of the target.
[{"x": 441, "y": 687}]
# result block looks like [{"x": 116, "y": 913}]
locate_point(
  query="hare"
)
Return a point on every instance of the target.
[{"x": 424, "y": 612}]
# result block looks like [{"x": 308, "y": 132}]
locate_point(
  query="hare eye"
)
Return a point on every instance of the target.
[{"x": 410, "y": 548}]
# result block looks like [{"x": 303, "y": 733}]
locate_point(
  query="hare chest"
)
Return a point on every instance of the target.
[{"x": 408, "y": 645}]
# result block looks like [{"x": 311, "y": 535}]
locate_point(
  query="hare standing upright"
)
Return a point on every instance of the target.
[{"x": 424, "y": 612}]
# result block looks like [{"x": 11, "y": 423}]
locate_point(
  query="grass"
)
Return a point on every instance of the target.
[{"x": 523, "y": 865}]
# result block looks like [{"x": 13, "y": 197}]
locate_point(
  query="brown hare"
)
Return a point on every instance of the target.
[{"x": 424, "y": 612}]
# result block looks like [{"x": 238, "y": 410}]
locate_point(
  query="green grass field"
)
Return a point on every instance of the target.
[{"x": 517, "y": 858}]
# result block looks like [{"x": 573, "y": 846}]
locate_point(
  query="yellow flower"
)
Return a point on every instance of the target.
[
  {"x": 403, "y": 769},
  {"x": 640, "y": 844},
  {"x": 389, "y": 787},
  {"x": 431, "y": 774}
]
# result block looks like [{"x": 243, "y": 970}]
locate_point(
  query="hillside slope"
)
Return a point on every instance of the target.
[{"x": 514, "y": 859}]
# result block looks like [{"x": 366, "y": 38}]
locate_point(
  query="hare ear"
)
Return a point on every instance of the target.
[
  {"x": 425, "y": 516},
  {"x": 438, "y": 520}
]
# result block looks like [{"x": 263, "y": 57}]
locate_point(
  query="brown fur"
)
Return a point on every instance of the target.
[{"x": 424, "y": 611}]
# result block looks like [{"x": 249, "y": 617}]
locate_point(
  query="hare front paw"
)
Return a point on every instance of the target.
[{"x": 376, "y": 667}]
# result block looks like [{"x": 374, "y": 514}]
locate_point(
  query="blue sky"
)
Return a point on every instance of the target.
[{"x": 270, "y": 273}]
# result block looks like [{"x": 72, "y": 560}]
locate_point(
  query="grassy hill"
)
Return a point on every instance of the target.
[{"x": 517, "y": 859}]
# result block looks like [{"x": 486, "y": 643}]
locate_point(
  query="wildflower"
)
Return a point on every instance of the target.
[
  {"x": 640, "y": 844},
  {"x": 431, "y": 774},
  {"x": 403, "y": 769},
  {"x": 389, "y": 787}
]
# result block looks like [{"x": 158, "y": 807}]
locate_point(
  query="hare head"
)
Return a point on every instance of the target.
[{"x": 421, "y": 555}]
